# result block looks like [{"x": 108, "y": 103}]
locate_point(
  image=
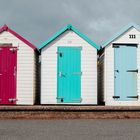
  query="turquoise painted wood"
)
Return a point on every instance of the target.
[
  {"x": 69, "y": 75},
  {"x": 69, "y": 27},
  {"x": 125, "y": 72}
]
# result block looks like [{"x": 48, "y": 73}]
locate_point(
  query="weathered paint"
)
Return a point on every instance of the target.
[
  {"x": 69, "y": 75},
  {"x": 8, "y": 68}
]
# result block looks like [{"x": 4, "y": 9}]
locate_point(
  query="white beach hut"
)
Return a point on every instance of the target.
[
  {"x": 69, "y": 68},
  {"x": 119, "y": 65},
  {"x": 18, "y": 70}
]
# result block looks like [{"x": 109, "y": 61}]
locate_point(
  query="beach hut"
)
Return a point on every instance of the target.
[
  {"x": 119, "y": 68},
  {"x": 18, "y": 59},
  {"x": 68, "y": 68}
]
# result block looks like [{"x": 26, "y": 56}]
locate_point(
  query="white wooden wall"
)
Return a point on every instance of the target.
[
  {"x": 25, "y": 69},
  {"x": 88, "y": 68},
  {"x": 109, "y": 69}
]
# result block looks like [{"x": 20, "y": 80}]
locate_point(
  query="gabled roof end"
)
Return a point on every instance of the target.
[
  {"x": 69, "y": 27},
  {"x": 6, "y": 28},
  {"x": 121, "y": 32}
]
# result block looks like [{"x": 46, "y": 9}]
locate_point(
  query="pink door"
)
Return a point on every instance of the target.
[{"x": 8, "y": 66}]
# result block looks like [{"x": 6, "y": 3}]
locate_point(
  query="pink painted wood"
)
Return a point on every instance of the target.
[
  {"x": 8, "y": 68},
  {"x": 6, "y": 28}
]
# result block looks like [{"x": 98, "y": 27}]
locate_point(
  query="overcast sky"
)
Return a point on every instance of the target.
[{"x": 37, "y": 20}]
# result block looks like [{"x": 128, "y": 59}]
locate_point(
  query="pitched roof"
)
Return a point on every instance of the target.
[
  {"x": 6, "y": 28},
  {"x": 124, "y": 30},
  {"x": 68, "y": 27}
]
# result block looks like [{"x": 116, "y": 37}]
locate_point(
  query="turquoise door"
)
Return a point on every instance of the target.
[
  {"x": 125, "y": 73},
  {"x": 69, "y": 75}
]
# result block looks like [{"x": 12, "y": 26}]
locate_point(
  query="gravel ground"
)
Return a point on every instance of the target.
[
  {"x": 69, "y": 129},
  {"x": 48, "y": 115}
]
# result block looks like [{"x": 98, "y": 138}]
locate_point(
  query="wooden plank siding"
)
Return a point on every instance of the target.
[
  {"x": 26, "y": 69},
  {"x": 109, "y": 69},
  {"x": 88, "y": 68}
]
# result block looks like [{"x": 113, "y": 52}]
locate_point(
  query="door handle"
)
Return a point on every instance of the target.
[{"x": 60, "y": 74}]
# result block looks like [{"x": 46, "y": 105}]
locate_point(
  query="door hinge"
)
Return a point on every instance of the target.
[
  {"x": 132, "y": 46},
  {"x": 133, "y": 70},
  {"x": 77, "y": 73},
  {"x": 133, "y": 97},
  {"x": 77, "y": 100},
  {"x": 61, "y": 99},
  {"x": 80, "y": 48},
  {"x": 12, "y": 100},
  {"x": 116, "y": 71},
  {"x": 13, "y": 49},
  {"x": 60, "y": 54},
  {"x": 115, "y": 46},
  {"x": 116, "y": 97}
]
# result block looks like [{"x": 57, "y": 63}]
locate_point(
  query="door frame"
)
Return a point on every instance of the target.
[{"x": 58, "y": 71}]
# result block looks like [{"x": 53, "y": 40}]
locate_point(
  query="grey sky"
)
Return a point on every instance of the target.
[{"x": 37, "y": 20}]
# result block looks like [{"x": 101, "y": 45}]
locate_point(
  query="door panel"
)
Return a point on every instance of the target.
[
  {"x": 131, "y": 72},
  {"x": 69, "y": 74},
  {"x": 8, "y": 65},
  {"x": 125, "y": 73}
]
